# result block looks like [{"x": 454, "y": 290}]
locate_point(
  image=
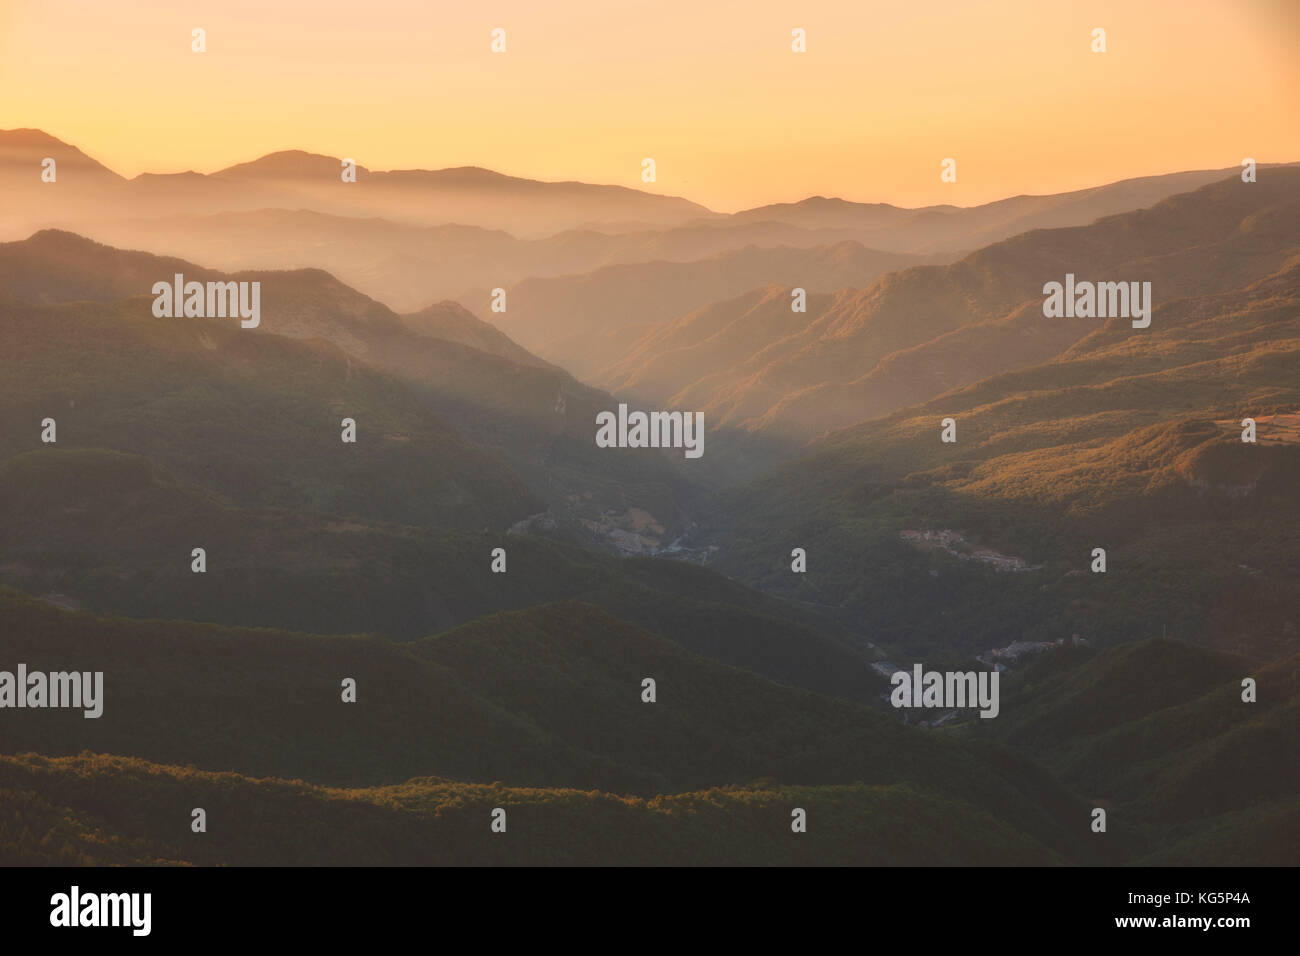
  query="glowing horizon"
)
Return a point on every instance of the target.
[{"x": 732, "y": 117}]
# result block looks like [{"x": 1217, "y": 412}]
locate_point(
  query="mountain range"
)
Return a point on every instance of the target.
[{"x": 922, "y": 467}]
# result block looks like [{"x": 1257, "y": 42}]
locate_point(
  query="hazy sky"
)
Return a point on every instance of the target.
[{"x": 710, "y": 90}]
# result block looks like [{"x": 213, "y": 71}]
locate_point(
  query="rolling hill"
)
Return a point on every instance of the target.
[
  {"x": 566, "y": 712},
  {"x": 109, "y": 811},
  {"x": 1160, "y": 730}
]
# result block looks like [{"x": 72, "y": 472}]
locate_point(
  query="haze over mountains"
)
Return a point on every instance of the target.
[
  {"x": 594, "y": 320},
  {"x": 1128, "y": 440},
  {"x": 532, "y": 418},
  {"x": 414, "y": 237},
  {"x": 914, "y": 334},
  {"x": 295, "y": 179},
  {"x": 523, "y": 686}
]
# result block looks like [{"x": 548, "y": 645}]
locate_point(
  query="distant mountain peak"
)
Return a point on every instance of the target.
[
  {"x": 28, "y": 136},
  {"x": 189, "y": 174},
  {"x": 26, "y": 145},
  {"x": 62, "y": 239},
  {"x": 469, "y": 173},
  {"x": 288, "y": 162}
]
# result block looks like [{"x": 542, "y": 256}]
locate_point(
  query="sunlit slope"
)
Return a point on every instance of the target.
[
  {"x": 1129, "y": 441},
  {"x": 109, "y": 810},
  {"x": 914, "y": 334}
]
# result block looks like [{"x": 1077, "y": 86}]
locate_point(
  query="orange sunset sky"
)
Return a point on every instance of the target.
[{"x": 711, "y": 91}]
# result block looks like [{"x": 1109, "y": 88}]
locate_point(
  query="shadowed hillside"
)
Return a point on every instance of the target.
[
  {"x": 549, "y": 696},
  {"x": 106, "y": 810},
  {"x": 404, "y": 380},
  {"x": 1161, "y": 728}
]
